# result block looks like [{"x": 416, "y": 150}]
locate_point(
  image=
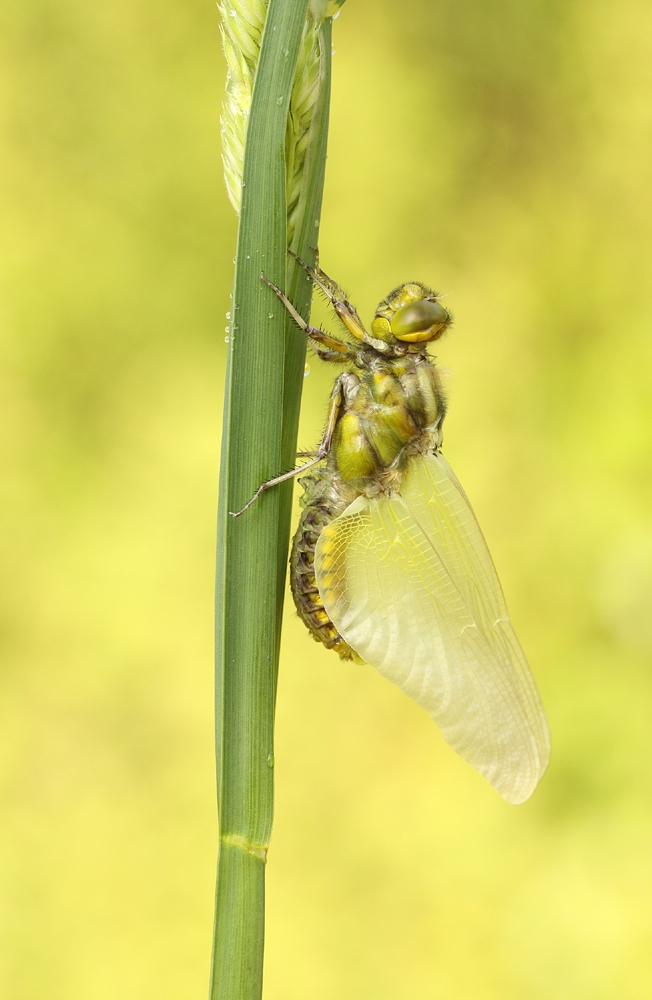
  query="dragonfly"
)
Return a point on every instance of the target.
[{"x": 388, "y": 564}]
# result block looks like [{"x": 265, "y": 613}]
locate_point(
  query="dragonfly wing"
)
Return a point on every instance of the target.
[{"x": 409, "y": 583}]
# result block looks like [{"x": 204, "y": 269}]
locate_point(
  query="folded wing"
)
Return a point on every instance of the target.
[{"x": 409, "y": 583}]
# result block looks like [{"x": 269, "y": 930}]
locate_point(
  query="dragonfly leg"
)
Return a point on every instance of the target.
[
  {"x": 337, "y": 356},
  {"x": 326, "y": 283},
  {"x": 335, "y": 349},
  {"x": 346, "y": 312},
  {"x": 334, "y": 407}
]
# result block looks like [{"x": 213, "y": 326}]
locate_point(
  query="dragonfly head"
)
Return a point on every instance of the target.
[{"x": 410, "y": 314}]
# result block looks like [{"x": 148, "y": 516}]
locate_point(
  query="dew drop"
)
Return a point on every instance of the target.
[
  {"x": 248, "y": 256},
  {"x": 306, "y": 369},
  {"x": 228, "y": 315},
  {"x": 333, "y": 51},
  {"x": 279, "y": 100},
  {"x": 226, "y": 339},
  {"x": 270, "y": 760},
  {"x": 270, "y": 315}
]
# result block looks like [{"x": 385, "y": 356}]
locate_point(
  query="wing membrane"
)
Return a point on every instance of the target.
[{"x": 409, "y": 583}]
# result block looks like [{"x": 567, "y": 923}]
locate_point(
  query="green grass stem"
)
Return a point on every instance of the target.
[{"x": 264, "y": 381}]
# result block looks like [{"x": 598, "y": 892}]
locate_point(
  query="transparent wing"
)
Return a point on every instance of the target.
[{"x": 408, "y": 581}]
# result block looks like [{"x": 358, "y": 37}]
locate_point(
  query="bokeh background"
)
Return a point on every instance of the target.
[{"x": 499, "y": 151}]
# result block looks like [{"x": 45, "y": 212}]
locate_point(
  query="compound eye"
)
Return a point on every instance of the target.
[{"x": 423, "y": 320}]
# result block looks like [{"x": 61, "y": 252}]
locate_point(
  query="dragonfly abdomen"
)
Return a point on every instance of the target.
[{"x": 325, "y": 499}]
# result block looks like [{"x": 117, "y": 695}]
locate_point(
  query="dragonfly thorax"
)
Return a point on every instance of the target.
[{"x": 392, "y": 404}]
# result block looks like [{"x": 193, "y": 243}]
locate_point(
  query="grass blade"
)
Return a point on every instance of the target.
[{"x": 264, "y": 380}]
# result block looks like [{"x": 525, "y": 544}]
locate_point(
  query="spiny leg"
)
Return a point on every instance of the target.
[
  {"x": 335, "y": 349},
  {"x": 346, "y": 312},
  {"x": 320, "y": 454},
  {"x": 327, "y": 284}
]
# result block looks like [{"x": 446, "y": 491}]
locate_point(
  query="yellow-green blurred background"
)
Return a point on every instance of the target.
[{"x": 499, "y": 151}]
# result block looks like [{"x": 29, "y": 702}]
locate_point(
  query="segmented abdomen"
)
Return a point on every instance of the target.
[{"x": 325, "y": 499}]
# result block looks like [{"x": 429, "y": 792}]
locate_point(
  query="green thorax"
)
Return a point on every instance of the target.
[{"x": 389, "y": 404}]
